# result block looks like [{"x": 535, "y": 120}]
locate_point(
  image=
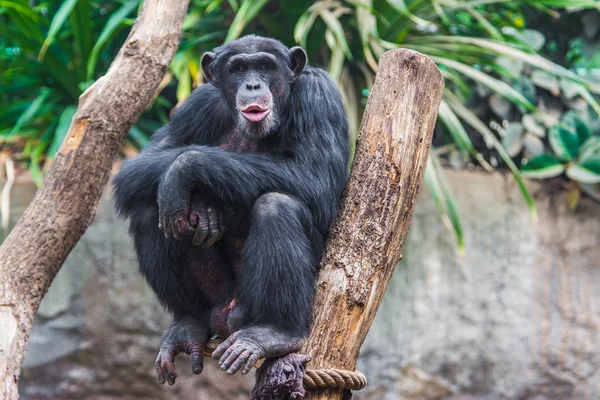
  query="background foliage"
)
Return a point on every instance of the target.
[{"x": 520, "y": 75}]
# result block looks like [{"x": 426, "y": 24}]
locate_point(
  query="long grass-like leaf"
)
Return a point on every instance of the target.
[
  {"x": 30, "y": 112},
  {"x": 442, "y": 196},
  {"x": 57, "y": 22},
  {"x": 248, "y": 10},
  {"x": 506, "y": 49},
  {"x": 112, "y": 25},
  {"x": 460, "y": 136},
  {"x": 471, "y": 119},
  {"x": 501, "y": 88},
  {"x": 64, "y": 122}
]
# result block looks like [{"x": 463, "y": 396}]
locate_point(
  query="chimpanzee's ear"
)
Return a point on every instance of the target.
[
  {"x": 299, "y": 59},
  {"x": 207, "y": 59}
]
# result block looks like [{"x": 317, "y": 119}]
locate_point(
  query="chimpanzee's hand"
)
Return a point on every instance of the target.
[
  {"x": 207, "y": 218},
  {"x": 173, "y": 212}
]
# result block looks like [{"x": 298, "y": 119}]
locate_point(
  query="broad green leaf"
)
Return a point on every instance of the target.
[
  {"x": 573, "y": 121},
  {"x": 513, "y": 139},
  {"x": 591, "y": 164},
  {"x": 582, "y": 174},
  {"x": 533, "y": 144},
  {"x": 64, "y": 122},
  {"x": 531, "y": 125},
  {"x": 564, "y": 143},
  {"x": 543, "y": 166},
  {"x": 546, "y": 80},
  {"x": 112, "y": 25},
  {"x": 532, "y": 38},
  {"x": 591, "y": 148},
  {"x": 57, "y": 22}
]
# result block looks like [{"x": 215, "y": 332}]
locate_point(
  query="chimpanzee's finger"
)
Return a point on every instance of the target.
[
  {"x": 250, "y": 363},
  {"x": 213, "y": 227},
  {"x": 197, "y": 361},
  {"x": 174, "y": 228},
  {"x": 167, "y": 228},
  {"x": 202, "y": 230},
  {"x": 220, "y": 350},
  {"x": 239, "y": 361},
  {"x": 222, "y": 227},
  {"x": 183, "y": 226}
]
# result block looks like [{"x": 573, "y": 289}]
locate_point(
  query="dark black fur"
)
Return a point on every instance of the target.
[{"x": 279, "y": 196}]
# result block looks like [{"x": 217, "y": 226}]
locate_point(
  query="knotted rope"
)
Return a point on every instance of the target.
[
  {"x": 334, "y": 378},
  {"x": 316, "y": 378}
]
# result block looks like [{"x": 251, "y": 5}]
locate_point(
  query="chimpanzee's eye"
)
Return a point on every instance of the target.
[
  {"x": 240, "y": 68},
  {"x": 263, "y": 67}
]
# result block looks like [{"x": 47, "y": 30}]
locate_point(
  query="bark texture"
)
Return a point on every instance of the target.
[
  {"x": 65, "y": 205},
  {"x": 366, "y": 241}
]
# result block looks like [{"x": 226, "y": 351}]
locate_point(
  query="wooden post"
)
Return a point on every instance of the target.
[
  {"x": 65, "y": 205},
  {"x": 366, "y": 241}
]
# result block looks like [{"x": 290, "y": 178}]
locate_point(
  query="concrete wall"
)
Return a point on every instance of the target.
[{"x": 518, "y": 317}]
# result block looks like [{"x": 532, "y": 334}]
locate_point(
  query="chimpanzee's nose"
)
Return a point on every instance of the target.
[{"x": 251, "y": 86}]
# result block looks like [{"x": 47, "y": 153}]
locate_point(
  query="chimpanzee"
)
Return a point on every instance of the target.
[{"x": 230, "y": 204}]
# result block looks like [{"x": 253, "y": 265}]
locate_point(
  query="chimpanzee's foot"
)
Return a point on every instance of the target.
[
  {"x": 245, "y": 347},
  {"x": 187, "y": 336}
]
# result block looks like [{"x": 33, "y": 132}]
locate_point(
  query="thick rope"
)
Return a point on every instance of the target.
[
  {"x": 334, "y": 378},
  {"x": 316, "y": 378}
]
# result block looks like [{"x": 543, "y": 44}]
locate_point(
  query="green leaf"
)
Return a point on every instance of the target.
[
  {"x": 442, "y": 196},
  {"x": 591, "y": 148},
  {"x": 490, "y": 138},
  {"x": 113, "y": 23},
  {"x": 583, "y": 174},
  {"x": 460, "y": 135},
  {"x": 573, "y": 121},
  {"x": 564, "y": 143},
  {"x": 248, "y": 10},
  {"x": 591, "y": 164},
  {"x": 64, "y": 122},
  {"x": 546, "y": 80},
  {"x": 502, "y": 88},
  {"x": 57, "y": 22},
  {"x": 30, "y": 112},
  {"x": 543, "y": 166}
]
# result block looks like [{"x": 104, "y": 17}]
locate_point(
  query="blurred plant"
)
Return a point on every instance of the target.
[
  {"x": 575, "y": 152},
  {"x": 476, "y": 43},
  {"x": 50, "y": 52}
]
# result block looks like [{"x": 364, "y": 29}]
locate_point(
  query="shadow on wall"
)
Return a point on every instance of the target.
[{"x": 517, "y": 318}]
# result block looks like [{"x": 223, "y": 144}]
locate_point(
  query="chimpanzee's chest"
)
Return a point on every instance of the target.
[{"x": 236, "y": 141}]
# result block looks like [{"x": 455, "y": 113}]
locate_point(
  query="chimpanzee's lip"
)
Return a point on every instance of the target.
[{"x": 255, "y": 113}]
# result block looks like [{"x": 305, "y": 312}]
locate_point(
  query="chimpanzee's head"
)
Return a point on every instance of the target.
[{"x": 255, "y": 75}]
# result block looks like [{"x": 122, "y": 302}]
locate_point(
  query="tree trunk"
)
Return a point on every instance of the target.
[
  {"x": 366, "y": 241},
  {"x": 65, "y": 205}
]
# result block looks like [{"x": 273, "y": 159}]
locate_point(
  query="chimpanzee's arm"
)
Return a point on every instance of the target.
[{"x": 195, "y": 122}]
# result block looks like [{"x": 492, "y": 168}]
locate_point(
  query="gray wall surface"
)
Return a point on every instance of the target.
[{"x": 517, "y": 317}]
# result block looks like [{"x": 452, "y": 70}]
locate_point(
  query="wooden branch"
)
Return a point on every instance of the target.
[
  {"x": 365, "y": 242},
  {"x": 65, "y": 205}
]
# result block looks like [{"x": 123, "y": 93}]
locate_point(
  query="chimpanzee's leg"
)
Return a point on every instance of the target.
[
  {"x": 165, "y": 265},
  {"x": 277, "y": 283}
]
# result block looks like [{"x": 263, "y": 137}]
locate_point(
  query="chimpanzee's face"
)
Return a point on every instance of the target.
[{"x": 256, "y": 82}]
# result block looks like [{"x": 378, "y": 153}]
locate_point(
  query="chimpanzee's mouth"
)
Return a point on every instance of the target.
[{"x": 255, "y": 113}]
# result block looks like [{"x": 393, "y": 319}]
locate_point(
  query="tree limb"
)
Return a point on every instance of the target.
[
  {"x": 65, "y": 205},
  {"x": 366, "y": 240}
]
